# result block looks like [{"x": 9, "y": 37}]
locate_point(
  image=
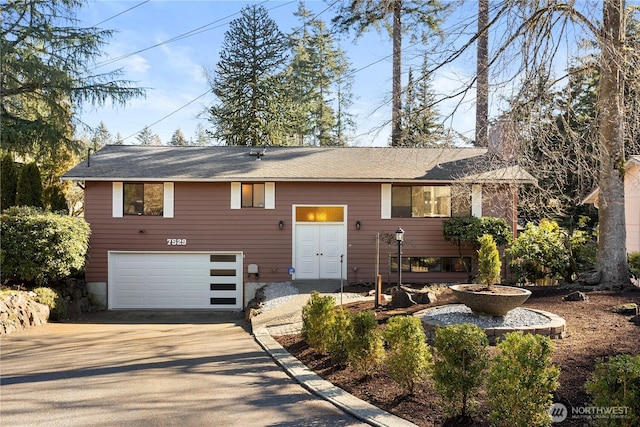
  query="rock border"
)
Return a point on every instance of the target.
[{"x": 556, "y": 328}]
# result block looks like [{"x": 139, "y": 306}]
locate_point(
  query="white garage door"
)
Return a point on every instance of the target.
[{"x": 170, "y": 280}]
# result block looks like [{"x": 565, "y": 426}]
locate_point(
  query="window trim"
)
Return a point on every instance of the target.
[
  {"x": 269, "y": 194},
  {"x": 117, "y": 196}
]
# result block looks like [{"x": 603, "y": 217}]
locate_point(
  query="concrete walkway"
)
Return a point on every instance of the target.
[{"x": 287, "y": 319}]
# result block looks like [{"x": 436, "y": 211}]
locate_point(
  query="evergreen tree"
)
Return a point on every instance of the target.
[
  {"x": 178, "y": 139},
  {"x": 203, "y": 138},
  {"x": 318, "y": 72},
  {"x": 421, "y": 126},
  {"x": 147, "y": 137},
  {"x": 47, "y": 73},
  {"x": 396, "y": 16},
  {"x": 247, "y": 81},
  {"x": 101, "y": 137},
  {"x": 29, "y": 189},
  {"x": 8, "y": 182},
  {"x": 118, "y": 140}
]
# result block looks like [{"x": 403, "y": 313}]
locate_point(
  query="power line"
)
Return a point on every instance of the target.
[
  {"x": 121, "y": 13},
  {"x": 171, "y": 113}
]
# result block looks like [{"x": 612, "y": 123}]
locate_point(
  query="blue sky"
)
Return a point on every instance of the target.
[{"x": 173, "y": 72}]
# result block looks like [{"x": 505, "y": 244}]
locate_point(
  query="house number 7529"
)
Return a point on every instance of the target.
[{"x": 176, "y": 242}]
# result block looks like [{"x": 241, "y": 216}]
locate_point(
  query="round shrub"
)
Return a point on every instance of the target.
[{"x": 41, "y": 246}]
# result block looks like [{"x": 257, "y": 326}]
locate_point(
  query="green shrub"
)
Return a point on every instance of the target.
[
  {"x": 8, "y": 182},
  {"x": 39, "y": 247},
  {"x": 29, "y": 188},
  {"x": 616, "y": 382},
  {"x": 521, "y": 381},
  {"x": 365, "y": 348},
  {"x": 58, "y": 306},
  {"x": 318, "y": 315},
  {"x": 408, "y": 357},
  {"x": 461, "y": 359},
  {"x": 469, "y": 230},
  {"x": 540, "y": 252},
  {"x": 339, "y": 336},
  {"x": 489, "y": 263},
  {"x": 634, "y": 264}
]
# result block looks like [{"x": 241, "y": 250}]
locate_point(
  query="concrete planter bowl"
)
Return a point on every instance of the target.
[{"x": 495, "y": 302}]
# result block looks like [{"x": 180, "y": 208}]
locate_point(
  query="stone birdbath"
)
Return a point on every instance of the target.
[
  {"x": 489, "y": 298},
  {"x": 495, "y": 300}
]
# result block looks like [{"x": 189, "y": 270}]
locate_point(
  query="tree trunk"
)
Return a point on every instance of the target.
[
  {"x": 482, "y": 82},
  {"x": 612, "y": 255},
  {"x": 396, "y": 109}
]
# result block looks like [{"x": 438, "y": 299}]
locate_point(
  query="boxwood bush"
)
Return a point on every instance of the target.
[
  {"x": 41, "y": 246},
  {"x": 318, "y": 315}
]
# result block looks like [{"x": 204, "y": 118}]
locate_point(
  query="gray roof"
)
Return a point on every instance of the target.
[{"x": 348, "y": 164}]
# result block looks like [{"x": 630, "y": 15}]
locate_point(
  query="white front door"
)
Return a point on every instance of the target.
[{"x": 319, "y": 251}]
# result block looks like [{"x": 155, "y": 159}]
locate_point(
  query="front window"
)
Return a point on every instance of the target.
[
  {"x": 420, "y": 201},
  {"x": 253, "y": 195},
  {"x": 432, "y": 264},
  {"x": 143, "y": 199}
]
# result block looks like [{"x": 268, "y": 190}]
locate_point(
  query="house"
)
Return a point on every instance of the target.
[
  {"x": 203, "y": 227},
  {"x": 631, "y": 202}
]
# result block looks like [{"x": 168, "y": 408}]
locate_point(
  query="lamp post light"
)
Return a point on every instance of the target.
[{"x": 399, "y": 239}]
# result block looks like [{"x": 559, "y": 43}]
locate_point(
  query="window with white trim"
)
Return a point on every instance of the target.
[
  {"x": 143, "y": 199},
  {"x": 253, "y": 195}
]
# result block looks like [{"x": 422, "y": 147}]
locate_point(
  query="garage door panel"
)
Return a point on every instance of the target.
[{"x": 174, "y": 281}]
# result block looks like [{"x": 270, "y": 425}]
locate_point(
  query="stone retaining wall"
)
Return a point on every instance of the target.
[{"x": 19, "y": 312}]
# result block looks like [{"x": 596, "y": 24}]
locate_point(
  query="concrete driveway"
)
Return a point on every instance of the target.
[{"x": 151, "y": 369}]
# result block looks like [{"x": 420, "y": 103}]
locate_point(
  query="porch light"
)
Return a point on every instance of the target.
[{"x": 281, "y": 224}]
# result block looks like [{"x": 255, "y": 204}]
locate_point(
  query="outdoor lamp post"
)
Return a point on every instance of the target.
[{"x": 399, "y": 239}]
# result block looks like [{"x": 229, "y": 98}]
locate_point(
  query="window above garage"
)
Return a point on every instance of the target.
[{"x": 142, "y": 199}]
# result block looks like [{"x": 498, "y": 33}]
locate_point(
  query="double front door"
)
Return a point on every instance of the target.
[{"x": 319, "y": 251}]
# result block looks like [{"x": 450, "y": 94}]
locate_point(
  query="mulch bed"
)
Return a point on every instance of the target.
[{"x": 593, "y": 331}]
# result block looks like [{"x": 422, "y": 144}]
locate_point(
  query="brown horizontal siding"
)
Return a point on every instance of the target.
[{"x": 203, "y": 217}]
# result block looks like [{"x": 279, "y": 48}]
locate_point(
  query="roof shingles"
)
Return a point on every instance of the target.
[{"x": 224, "y": 163}]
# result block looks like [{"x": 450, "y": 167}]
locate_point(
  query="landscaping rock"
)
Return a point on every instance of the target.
[
  {"x": 589, "y": 278},
  {"x": 630, "y": 309},
  {"x": 19, "y": 312},
  {"x": 635, "y": 319},
  {"x": 576, "y": 296},
  {"x": 400, "y": 298}
]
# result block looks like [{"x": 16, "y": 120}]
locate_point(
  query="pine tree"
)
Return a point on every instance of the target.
[
  {"x": 396, "y": 16},
  {"x": 178, "y": 139},
  {"x": 319, "y": 81},
  {"x": 101, "y": 137},
  {"x": 147, "y": 137},
  {"x": 29, "y": 189},
  {"x": 247, "y": 81},
  {"x": 421, "y": 126}
]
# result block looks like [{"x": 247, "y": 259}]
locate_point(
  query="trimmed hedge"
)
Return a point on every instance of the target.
[{"x": 41, "y": 246}]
